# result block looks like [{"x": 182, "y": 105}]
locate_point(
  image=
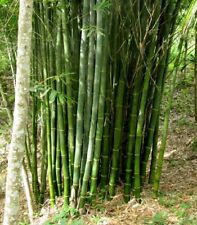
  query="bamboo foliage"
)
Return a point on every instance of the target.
[{"x": 99, "y": 69}]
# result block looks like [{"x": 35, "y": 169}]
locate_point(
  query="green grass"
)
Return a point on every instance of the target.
[
  {"x": 174, "y": 207},
  {"x": 167, "y": 202},
  {"x": 68, "y": 216},
  {"x": 71, "y": 216},
  {"x": 189, "y": 220},
  {"x": 160, "y": 218}
]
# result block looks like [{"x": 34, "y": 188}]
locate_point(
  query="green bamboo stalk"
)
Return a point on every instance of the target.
[
  {"x": 44, "y": 58},
  {"x": 34, "y": 166},
  {"x": 117, "y": 135},
  {"x": 145, "y": 90},
  {"x": 64, "y": 154},
  {"x": 49, "y": 155},
  {"x": 55, "y": 64},
  {"x": 154, "y": 153},
  {"x": 131, "y": 139},
  {"x": 139, "y": 133},
  {"x": 41, "y": 73},
  {"x": 53, "y": 109},
  {"x": 35, "y": 108},
  {"x": 44, "y": 155},
  {"x": 166, "y": 121},
  {"x": 115, "y": 22},
  {"x": 93, "y": 124},
  {"x": 51, "y": 39},
  {"x": 68, "y": 79},
  {"x": 53, "y": 141},
  {"x": 89, "y": 81},
  {"x": 106, "y": 141},
  {"x": 58, "y": 166},
  {"x": 81, "y": 101},
  {"x": 100, "y": 124},
  {"x": 166, "y": 31},
  {"x": 75, "y": 36},
  {"x": 167, "y": 114},
  {"x": 61, "y": 120},
  {"x": 111, "y": 107}
]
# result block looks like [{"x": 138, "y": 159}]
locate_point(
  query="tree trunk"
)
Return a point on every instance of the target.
[{"x": 17, "y": 146}]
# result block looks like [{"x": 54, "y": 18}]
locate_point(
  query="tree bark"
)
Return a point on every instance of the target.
[{"x": 17, "y": 146}]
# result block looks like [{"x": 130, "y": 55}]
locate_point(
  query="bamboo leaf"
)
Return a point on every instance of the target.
[
  {"x": 188, "y": 17},
  {"x": 103, "y": 5},
  {"x": 61, "y": 98},
  {"x": 52, "y": 96},
  {"x": 45, "y": 93}
]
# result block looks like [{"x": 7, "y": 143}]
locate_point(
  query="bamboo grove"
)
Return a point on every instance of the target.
[{"x": 98, "y": 73}]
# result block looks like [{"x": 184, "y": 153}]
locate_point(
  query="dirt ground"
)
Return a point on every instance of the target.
[{"x": 177, "y": 202}]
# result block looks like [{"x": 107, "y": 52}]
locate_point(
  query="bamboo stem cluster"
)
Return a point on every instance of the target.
[{"x": 99, "y": 68}]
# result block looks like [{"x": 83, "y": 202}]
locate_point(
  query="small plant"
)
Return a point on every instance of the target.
[
  {"x": 173, "y": 163},
  {"x": 160, "y": 218},
  {"x": 182, "y": 122},
  {"x": 96, "y": 219},
  {"x": 194, "y": 146},
  {"x": 76, "y": 222},
  {"x": 58, "y": 218},
  {"x": 167, "y": 202},
  {"x": 64, "y": 217},
  {"x": 181, "y": 213},
  {"x": 191, "y": 220}
]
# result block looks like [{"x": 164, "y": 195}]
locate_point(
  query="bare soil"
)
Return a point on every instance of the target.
[{"x": 178, "y": 189}]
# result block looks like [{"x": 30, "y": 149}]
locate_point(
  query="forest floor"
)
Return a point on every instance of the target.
[{"x": 177, "y": 201}]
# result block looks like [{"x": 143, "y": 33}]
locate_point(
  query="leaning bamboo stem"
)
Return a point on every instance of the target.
[
  {"x": 166, "y": 122},
  {"x": 164, "y": 42}
]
